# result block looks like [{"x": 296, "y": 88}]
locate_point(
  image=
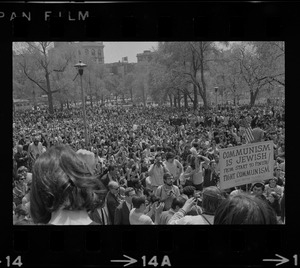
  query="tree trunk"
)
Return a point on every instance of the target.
[
  {"x": 175, "y": 101},
  {"x": 170, "y": 98},
  {"x": 203, "y": 79},
  {"x": 50, "y": 98},
  {"x": 97, "y": 99},
  {"x": 253, "y": 96},
  {"x": 234, "y": 96},
  {"x": 50, "y": 103},
  {"x": 179, "y": 100},
  {"x": 131, "y": 94},
  {"x": 61, "y": 106},
  {"x": 205, "y": 103},
  {"x": 34, "y": 100},
  {"x": 186, "y": 104},
  {"x": 144, "y": 94},
  {"x": 195, "y": 97},
  {"x": 68, "y": 107}
]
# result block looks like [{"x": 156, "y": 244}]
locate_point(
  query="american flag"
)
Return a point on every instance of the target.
[{"x": 248, "y": 134}]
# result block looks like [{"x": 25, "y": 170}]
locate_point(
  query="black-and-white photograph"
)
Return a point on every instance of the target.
[{"x": 148, "y": 133}]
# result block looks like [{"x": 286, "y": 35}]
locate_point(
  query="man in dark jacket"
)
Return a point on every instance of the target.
[
  {"x": 123, "y": 210},
  {"x": 21, "y": 157},
  {"x": 113, "y": 199},
  {"x": 258, "y": 133}
]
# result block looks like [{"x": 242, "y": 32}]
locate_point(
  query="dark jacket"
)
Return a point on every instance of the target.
[
  {"x": 122, "y": 214},
  {"x": 112, "y": 203},
  {"x": 210, "y": 179},
  {"x": 21, "y": 159}
]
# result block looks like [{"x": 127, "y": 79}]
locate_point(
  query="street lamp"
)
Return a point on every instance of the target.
[
  {"x": 216, "y": 91},
  {"x": 80, "y": 67}
]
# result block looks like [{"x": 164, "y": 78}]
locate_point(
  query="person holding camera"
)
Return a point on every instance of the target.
[
  {"x": 177, "y": 204},
  {"x": 137, "y": 215},
  {"x": 156, "y": 172}
]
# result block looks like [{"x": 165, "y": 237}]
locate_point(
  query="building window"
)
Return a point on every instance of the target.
[
  {"x": 79, "y": 52},
  {"x": 86, "y": 51},
  {"x": 93, "y": 52},
  {"x": 99, "y": 53}
]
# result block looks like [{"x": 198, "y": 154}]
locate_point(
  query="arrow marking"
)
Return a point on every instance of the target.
[
  {"x": 130, "y": 260},
  {"x": 282, "y": 260}
]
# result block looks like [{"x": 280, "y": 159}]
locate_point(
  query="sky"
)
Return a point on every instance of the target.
[{"x": 115, "y": 51}]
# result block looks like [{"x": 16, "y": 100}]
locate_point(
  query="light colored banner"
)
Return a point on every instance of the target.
[{"x": 247, "y": 163}]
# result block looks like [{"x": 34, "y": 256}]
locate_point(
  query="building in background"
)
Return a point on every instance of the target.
[
  {"x": 120, "y": 68},
  {"x": 146, "y": 56},
  {"x": 91, "y": 50}
]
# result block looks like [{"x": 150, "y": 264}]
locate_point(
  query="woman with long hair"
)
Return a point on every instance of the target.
[
  {"x": 62, "y": 189},
  {"x": 244, "y": 209}
]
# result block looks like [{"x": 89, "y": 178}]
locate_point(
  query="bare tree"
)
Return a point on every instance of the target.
[{"x": 38, "y": 64}]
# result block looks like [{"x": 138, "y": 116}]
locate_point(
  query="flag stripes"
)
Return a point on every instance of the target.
[{"x": 248, "y": 135}]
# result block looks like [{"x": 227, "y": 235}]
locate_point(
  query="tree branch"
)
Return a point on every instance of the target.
[
  {"x": 31, "y": 79},
  {"x": 61, "y": 70},
  {"x": 34, "y": 47}
]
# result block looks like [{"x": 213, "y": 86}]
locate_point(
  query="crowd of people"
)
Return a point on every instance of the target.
[{"x": 143, "y": 165}]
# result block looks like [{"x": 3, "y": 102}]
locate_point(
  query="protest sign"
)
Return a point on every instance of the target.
[{"x": 246, "y": 164}]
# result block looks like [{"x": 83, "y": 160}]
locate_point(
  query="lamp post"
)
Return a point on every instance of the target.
[
  {"x": 80, "y": 67},
  {"x": 216, "y": 91}
]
